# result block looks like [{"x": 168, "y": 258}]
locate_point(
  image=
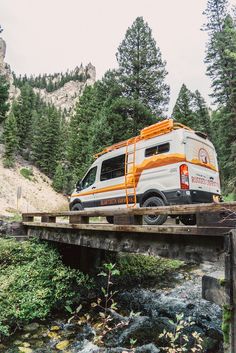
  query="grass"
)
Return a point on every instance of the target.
[
  {"x": 27, "y": 173},
  {"x": 230, "y": 197},
  {"x": 146, "y": 270}
]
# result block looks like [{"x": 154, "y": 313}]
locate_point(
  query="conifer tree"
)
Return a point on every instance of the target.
[
  {"x": 201, "y": 114},
  {"x": 79, "y": 151},
  {"x": 123, "y": 118},
  {"x": 221, "y": 67},
  {"x": 4, "y": 93},
  {"x": 10, "y": 140},
  {"x": 219, "y": 45},
  {"x": 22, "y": 110},
  {"x": 58, "y": 179},
  {"x": 182, "y": 111},
  {"x": 142, "y": 70}
]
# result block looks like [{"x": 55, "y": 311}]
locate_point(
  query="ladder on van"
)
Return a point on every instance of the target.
[{"x": 130, "y": 182}]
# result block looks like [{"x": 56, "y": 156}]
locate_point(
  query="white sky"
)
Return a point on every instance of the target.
[{"x": 47, "y": 36}]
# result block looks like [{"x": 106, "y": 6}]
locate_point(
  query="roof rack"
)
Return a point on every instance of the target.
[{"x": 161, "y": 128}]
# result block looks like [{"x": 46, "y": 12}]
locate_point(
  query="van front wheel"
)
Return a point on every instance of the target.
[
  {"x": 154, "y": 201},
  {"x": 77, "y": 207}
]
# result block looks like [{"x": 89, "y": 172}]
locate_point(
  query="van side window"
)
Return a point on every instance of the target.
[
  {"x": 164, "y": 148},
  {"x": 113, "y": 168},
  {"x": 89, "y": 178}
]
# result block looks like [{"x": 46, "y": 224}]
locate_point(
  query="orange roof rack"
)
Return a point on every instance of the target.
[{"x": 160, "y": 128}]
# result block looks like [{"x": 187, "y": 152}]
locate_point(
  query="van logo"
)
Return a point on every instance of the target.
[{"x": 203, "y": 156}]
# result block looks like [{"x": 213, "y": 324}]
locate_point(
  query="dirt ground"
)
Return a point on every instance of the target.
[{"x": 36, "y": 194}]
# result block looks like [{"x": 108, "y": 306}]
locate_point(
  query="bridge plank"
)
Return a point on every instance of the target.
[
  {"x": 190, "y": 230},
  {"x": 171, "y": 210}
]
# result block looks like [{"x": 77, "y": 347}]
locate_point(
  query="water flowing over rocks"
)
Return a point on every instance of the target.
[{"x": 153, "y": 310}]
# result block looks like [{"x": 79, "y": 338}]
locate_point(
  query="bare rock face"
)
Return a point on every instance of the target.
[
  {"x": 5, "y": 70},
  {"x": 2, "y": 50},
  {"x": 63, "y": 98},
  {"x": 66, "y": 97}
]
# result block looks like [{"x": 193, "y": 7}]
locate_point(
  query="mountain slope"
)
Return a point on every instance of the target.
[{"x": 37, "y": 194}]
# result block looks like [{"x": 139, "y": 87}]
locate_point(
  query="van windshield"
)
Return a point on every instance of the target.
[{"x": 89, "y": 178}]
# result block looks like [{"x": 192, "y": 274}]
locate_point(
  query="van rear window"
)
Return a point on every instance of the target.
[
  {"x": 113, "y": 168},
  {"x": 151, "y": 151}
]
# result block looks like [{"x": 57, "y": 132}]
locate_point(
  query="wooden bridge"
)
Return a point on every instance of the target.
[{"x": 213, "y": 238}]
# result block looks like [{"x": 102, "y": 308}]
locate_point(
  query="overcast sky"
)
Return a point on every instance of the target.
[{"x": 47, "y": 36}]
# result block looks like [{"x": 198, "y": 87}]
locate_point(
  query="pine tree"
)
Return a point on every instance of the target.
[
  {"x": 22, "y": 110},
  {"x": 4, "y": 94},
  {"x": 221, "y": 67},
  {"x": 47, "y": 140},
  {"x": 79, "y": 152},
  {"x": 10, "y": 140},
  {"x": 201, "y": 114},
  {"x": 58, "y": 179},
  {"x": 142, "y": 70},
  {"x": 182, "y": 111},
  {"x": 220, "y": 43}
]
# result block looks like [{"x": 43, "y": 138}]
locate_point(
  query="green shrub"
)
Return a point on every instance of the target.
[
  {"x": 27, "y": 173},
  {"x": 8, "y": 163},
  {"x": 33, "y": 282},
  {"x": 143, "y": 268},
  {"x": 229, "y": 197}
]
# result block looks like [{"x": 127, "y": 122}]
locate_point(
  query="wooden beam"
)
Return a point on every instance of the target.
[
  {"x": 223, "y": 207},
  {"x": 48, "y": 219},
  {"x": 76, "y": 219},
  {"x": 185, "y": 247},
  {"x": 230, "y": 276},
  {"x": 27, "y": 218},
  {"x": 165, "y": 229}
]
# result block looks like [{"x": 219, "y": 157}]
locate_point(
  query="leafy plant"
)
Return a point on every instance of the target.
[
  {"x": 106, "y": 302},
  {"x": 143, "y": 269},
  {"x": 33, "y": 282},
  {"x": 227, "y": 314},
  {"x": 27, "y": 173},
  {"x": 178, "y": 340}
]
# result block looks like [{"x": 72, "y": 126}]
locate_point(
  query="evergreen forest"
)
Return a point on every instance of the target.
[{"x": 124, "y": 101}]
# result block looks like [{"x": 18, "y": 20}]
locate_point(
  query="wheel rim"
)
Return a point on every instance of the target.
[{"x": 152, "y": 217}]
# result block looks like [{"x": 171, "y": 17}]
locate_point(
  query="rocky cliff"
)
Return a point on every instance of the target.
[
  {"x": 65, "y": 97},
  {"x": 5, "y": 70}
]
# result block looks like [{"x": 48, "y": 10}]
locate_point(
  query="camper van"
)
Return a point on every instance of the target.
[{"x": 168, "y": 163}]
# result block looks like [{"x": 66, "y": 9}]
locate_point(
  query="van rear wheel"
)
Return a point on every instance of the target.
[{"x": 154, "y": 201}]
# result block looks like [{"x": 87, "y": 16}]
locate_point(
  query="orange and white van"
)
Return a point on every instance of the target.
[{"x": 168, "y": 163}]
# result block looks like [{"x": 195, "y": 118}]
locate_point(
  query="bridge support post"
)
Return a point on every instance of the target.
[{"x": 229, "y": 310}]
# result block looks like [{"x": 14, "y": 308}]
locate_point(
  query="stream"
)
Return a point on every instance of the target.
[{"x": 142, "y": 316}]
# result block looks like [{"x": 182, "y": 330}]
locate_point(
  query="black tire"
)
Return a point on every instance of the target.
[
  {"x": 110, "y": 219},
  {"x": 188, "y": 219},
  {"x": 77, "y": 207},
  {"x": 154, "y": 201}
]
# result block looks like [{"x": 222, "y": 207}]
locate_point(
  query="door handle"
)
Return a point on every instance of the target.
[{"x": 94, "y": 187}]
